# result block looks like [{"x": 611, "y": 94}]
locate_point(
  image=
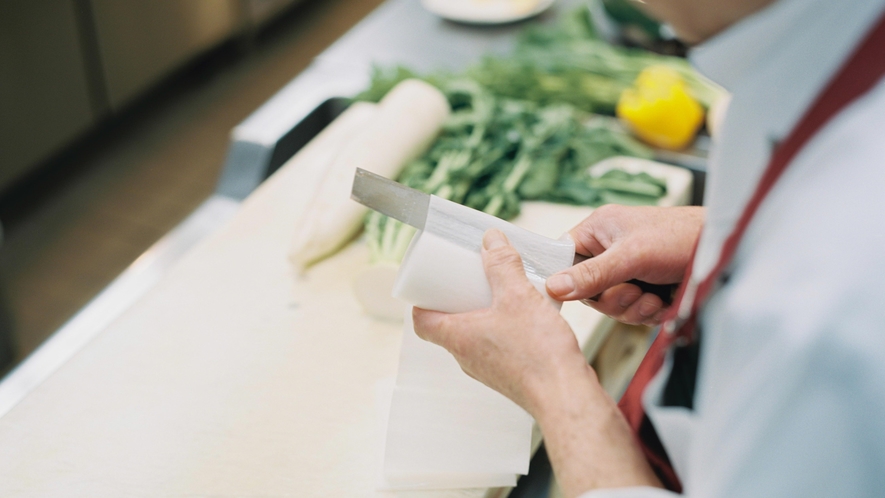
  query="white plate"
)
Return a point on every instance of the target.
[{"x": 487, "y": 11}]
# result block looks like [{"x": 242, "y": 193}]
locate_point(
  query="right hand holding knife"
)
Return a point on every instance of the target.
[{"x": 629, "y": 260}]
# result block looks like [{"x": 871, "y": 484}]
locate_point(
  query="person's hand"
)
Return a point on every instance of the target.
[
  {"x": 522, "y": 348},
  {"x": 520, "y": 345},
  {"x": 651, "y": 244}
]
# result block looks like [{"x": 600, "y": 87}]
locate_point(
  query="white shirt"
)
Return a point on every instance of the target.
[{"x": 790, "y": 399}]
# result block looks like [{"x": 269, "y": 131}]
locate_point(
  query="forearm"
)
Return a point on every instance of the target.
[
  {"x": 523, "y": 348},
  {"x": 588, "y": 440}
]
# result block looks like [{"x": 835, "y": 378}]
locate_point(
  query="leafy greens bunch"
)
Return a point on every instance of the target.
[
  {"x": 519, "y": 128},
  {"x": 565, "y": 63},
  {"x": 495, "y": 152}
]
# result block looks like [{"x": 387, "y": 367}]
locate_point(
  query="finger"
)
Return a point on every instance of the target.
[
  {"x": 502, "y": 263},
  {"x": 447, "y": 330},
  {"x": 643, "y": 310},
  {"x": 589, "y": 278},
  {"x": 432, "y": 326},
  {"x": 584, "y": 237},
  {"x": 657, "y": 318},
  {"x": 616, "y": 300},
  {"x": 594, "y": 234}
]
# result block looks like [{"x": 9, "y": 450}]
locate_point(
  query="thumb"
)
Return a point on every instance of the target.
[
  {"x": 432, "y": 326},
  {"x": 502, "y": 263},
  {"x": 589, "y": 278}
]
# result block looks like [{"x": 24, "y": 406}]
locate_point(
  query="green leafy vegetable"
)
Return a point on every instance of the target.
[
  {"x": 566, "y": 63},
  {"x": 519, "y": 129},
  {"x": 495, "y": 152}
]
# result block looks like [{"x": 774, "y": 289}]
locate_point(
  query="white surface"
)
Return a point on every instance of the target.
[
  {"x": 446, "y": 430},
  {"x": 789, "y": 400},
  {"x": 487, "y": 11},
  {"x": 122, "y": 293},
  {"x": 227, "y": 379}
]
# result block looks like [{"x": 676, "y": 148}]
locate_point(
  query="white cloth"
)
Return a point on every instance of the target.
[{"x": 790, "y": 398}]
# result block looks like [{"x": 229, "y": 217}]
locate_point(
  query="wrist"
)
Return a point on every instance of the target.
[
  {"x": 589, "y": 442},
  {"x": 573, "y": 385}
]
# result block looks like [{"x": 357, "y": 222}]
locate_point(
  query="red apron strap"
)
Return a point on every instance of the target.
[{"x": 857, "y": 75}]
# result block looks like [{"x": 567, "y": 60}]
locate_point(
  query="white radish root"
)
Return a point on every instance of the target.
[
  {"x": 409, "y": 118},
  {"x": 373, "y": 288}
]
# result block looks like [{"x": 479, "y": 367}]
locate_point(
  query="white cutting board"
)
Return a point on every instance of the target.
[{"x": 230, "y": 378}]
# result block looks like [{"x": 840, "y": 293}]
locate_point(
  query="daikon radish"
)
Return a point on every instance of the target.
[
  {"x": 549, "y": 219},
  {"x": 408, "y": 119},
  {"x": 450, "y": 276},
  {"x": 318, "y": 154},
  {"x": 373, "y": 288},
  {"x": 445, "y": 429}
]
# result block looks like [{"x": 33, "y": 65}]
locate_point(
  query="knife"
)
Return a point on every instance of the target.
[{"x": 410, "y": 206}]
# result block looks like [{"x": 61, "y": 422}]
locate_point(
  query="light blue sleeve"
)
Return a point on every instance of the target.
[
  {"x": 791, "y": 388},
  {"x": 791, "y": 392}
]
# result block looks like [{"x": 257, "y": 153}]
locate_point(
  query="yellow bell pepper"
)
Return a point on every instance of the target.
[{"x": 659, "y": 109}]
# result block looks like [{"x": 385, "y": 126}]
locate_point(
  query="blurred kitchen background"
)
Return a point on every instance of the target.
[{"x": 114, "y": 121}]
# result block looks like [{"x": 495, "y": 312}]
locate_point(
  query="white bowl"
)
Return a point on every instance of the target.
[{"x": 486, "y": 11}]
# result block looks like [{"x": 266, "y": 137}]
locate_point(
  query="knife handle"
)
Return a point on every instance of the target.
[{"x": 664, "y": 291}]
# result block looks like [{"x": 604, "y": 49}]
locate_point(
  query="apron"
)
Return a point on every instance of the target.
[{"x": 679, "y": 334}]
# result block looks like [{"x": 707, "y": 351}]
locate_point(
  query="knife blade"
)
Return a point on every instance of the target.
[
  {"x": 390, "y": 198},
  {"x": 410, "y": 206}
]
